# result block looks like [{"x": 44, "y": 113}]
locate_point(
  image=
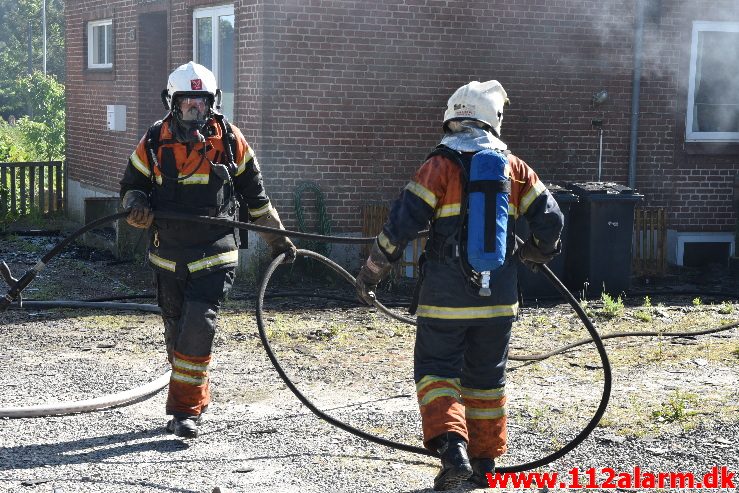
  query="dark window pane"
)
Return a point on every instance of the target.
[
  {"x": 98, "y": 50},
  {"x": 717, "y": 82},
  {"x": 109, "y": 43},
  {"x": 204, "y": 49},
  {"x": 226, "y": 62}
]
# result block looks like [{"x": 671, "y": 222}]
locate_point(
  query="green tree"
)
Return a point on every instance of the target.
[
  {"x": 15, "y": 16},
  {"x": 44, "y": 132},
  {"x": 41, "y": 137}
]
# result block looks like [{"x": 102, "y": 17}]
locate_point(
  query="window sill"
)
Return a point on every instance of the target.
[
  {"x": 712, "y": 148},
  {"x": 99, "y": 74}
]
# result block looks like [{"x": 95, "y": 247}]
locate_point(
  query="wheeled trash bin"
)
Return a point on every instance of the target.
[
  {"x": 600, "y": 238},
  {"x": 535, "y": 285}
]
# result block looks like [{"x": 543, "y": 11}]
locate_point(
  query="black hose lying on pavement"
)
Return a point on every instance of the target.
[
  {"x": 17, "y": 286},
  {"x": 607, "y": 378}
]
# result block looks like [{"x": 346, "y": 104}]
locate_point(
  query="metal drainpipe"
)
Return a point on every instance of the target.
[{"x": 635, "y": 90}]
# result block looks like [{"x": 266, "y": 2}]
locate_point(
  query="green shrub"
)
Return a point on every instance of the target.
[
  {"x": 611, "y": 308},
  {"x": 675, "y": 408},
  {"x": 726, "y": 308},
  {"x": 645, "y": 314}
]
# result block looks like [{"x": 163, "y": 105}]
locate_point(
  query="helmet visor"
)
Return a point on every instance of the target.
[{"x": 193, "y": 108}]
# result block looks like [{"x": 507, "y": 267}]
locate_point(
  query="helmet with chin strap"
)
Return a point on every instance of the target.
[
  {"x": 480, "y": 101},
  {"x": 191, "y": 83}
]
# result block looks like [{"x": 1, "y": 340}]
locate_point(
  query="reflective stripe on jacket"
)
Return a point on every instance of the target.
[
  {"x": 435, "y": 195},
  {"x": 186, "y": 182}
]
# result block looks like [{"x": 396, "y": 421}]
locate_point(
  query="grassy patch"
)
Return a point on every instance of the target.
[
  {"x": 726, "y": 308},
  {"x": 677, "y": 408},
  {"x": 645, "y": 312},
  {"x": 612, "y": 308}
]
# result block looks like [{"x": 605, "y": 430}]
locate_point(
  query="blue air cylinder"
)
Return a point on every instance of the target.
[{"x": 487, "y": 223}]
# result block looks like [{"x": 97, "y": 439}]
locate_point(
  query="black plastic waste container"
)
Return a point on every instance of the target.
[
  {"x": 534, "y": 285},
  {"x": 600, "y": 238}
]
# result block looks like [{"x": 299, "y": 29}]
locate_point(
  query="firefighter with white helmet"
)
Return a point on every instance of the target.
[
  {"x": 470, "y": 189},
  {"x": 194, "y": 162}
]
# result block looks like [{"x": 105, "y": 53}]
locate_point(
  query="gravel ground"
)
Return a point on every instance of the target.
[{"x": 674, "y": 406}]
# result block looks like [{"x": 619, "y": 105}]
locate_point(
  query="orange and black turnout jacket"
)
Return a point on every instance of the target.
[
  {"x": 435, "y": 196},
  {"x": 185, "y": 182}
]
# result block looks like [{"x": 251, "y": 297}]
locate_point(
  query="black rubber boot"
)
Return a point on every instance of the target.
[
  {"x": 455, "y": 465},
  {"x": 480, "y": 468},
  {"x": 184, "y": 427}
]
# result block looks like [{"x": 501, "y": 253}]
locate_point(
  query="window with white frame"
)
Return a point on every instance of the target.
[
  {"x": 713, "y": 89},
  {"x": 100, "y": 44},
  {"x": 213, "y": 47}
]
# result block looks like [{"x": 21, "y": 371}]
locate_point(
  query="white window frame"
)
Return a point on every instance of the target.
[
  {"x": 690, "y": 135},
  {"x": 214, "y": 13},
  {"x": 108, "y": 56}
]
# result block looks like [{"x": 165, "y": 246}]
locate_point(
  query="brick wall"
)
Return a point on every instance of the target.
[
  {"x": 694, "y": 186},
  {"x": 354, "y": 92},
  {"x": 95, "y": 155},
  {"x": 152, "y": 67},
  {"x": 350, "y": 94}
]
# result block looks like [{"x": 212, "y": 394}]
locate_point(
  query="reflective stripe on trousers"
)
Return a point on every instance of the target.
[
  {"x": 460, "y": 377},
  {"x": 189, "y": 311}
]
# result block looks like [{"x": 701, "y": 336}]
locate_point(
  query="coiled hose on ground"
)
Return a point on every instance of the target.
[
  {"x": 17, "y": 286},
  {"x": 419, "y": 450}
]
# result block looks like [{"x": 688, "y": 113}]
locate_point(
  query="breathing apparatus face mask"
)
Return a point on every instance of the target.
[{"x": 191, "y": 115}]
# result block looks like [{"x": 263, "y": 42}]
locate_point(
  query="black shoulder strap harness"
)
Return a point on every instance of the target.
[
  {"x": 153, "y": 143},
  {"x": 439, "y": 246}
]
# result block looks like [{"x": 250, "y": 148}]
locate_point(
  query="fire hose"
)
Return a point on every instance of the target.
[
  {"x": 607, "y": 378},
  {"x": 136, "y": 395}
]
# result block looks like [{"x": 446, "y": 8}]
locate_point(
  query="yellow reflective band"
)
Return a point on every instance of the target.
[
  {"x": 158, "y": 178},
  {"x": 187, "y": 365},
  {"x": 196, "y": 179},
  {"x": 422, "y": 193},
  {"x": 492, "y": 413},
  {"x": 385, "y": 244},
  {"x": 140, "y": 165},
  {"x": 188, "y": 379},
  {"x": 429, "y": 379},
  {"x": 255, "y": 213},
  {"x": 212, "y": 261},
  {"x": 464, "y": 313},
  {"x": 531, "y": 195},
  {"x": 248, "y": 156},
  {"x": 512, "y": 210},
  {"x": 483, "y": 394},
  {"x": 162, "y": 262},
  {"x": 448, "y": 210},
  {"x": 434, "y": 394},
  {"x": 241, "y": 168}
]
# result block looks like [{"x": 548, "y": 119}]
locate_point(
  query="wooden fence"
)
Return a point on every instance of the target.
[
  {"x": 373, "y": 218},
  {"x": 650, "y": 241},
  {"x": 32, "y": 186}
]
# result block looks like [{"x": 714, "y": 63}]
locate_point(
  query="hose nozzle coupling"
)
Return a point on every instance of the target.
[
  {"x": 16, "y": 285},
  {"x": 12, "y": 283}
]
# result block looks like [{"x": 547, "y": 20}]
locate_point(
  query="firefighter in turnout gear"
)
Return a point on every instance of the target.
[
  {"x": 194, "y": 162},
  {"x": 465, "y": 308}
]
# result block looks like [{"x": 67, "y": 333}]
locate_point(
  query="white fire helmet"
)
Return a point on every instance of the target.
[
  {"x": 481, "y": 101},
  {"x": 191, "y": 79}
]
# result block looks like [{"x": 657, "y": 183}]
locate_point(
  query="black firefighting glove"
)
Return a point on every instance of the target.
[
  {"x": 137, "y": 203},
  {"x": 278, "y": 244},
  {"x": 374, "y": 270},
  {"x": 534, "y": 253}
]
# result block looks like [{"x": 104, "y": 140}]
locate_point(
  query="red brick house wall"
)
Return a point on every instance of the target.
[{"x": 350, "y": 94}]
